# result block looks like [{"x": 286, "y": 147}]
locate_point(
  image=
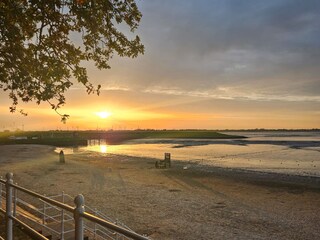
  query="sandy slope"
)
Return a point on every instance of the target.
[{"x": 198, "y": 203}]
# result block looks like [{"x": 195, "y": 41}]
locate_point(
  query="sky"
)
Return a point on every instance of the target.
[{"x": 208, "y": 64}]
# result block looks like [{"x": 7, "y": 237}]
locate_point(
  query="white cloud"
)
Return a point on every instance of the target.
[{"x": 231, "y": 94}]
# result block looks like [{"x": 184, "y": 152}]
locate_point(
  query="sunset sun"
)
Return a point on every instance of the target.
[{"x": 103, "y": 114}]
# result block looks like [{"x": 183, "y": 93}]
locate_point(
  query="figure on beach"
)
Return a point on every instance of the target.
[{"x": 98, "y": 179}]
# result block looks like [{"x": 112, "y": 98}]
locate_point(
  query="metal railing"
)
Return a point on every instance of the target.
[{"x": 78, "y": 214}]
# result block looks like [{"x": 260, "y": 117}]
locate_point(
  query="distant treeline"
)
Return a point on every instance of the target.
[{"x": 270, "y": 130}]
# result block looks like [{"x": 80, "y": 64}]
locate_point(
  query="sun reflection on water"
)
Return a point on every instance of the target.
[{"x": 103, "y": 148}]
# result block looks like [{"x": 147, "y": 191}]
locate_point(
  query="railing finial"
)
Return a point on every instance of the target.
[
  {"x": 9, "y": 177},
  {"x": 79, "y": 200}
]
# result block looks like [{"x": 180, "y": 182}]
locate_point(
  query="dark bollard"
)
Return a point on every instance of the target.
[
  {"x": 167, "y": 159},
  {"x": 61, "y": 157}
]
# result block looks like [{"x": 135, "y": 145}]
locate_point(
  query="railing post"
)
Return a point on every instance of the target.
[
  {"x": 15, "y": 192},
  {"x": 0, "y": 194},
  {"x": 78, "y": 211},
  {"x": 95, "y": 225},
  {"x": 117, "y": 234},
  {"x": 9, "y": 235},
  {"x": 44, "y": 213},
  {"x": 62, "y": 219}
]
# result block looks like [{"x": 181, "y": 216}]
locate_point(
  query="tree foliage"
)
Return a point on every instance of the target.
[{"x": 43, "y": 45}]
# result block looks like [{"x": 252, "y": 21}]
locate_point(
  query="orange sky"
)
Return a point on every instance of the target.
[
  {"x": 208, "y": 64},
  {"x": 132, "y": 110}
]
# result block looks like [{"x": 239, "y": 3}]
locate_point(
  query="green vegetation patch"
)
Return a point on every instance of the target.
[{"x": 72, "y": 138}]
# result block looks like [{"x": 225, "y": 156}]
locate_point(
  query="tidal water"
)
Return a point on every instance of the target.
[{"x": 284, "y": 152}]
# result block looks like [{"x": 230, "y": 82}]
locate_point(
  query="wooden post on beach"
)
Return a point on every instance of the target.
[
  {"x": 167, "y": 159},
  {"x": 61, "y": 157}
]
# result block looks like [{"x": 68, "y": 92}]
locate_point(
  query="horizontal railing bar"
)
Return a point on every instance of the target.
[
  {"x": 54, "y": 218},
  {"x": 36, "y": 209},
  {"x": 3, "y": 211},
  {"x": 104, "y": 229},
  {"x": 50, "y": 205},
  {"x": 55, "y": 196},
  {"x": 60, "y": 195},
  {"x": 45, "y": 217},
  {"x": 44, "y": 226},
  {"x": 108, "y": 234},
  {"x": 50, "y": 229},
  {"x": 27, "y": 205},
  {"x": 46, "y": 199},
  {"x": 68, "y": 219},
  {"x": 119, "y": 223},
  {"x": 101, "y": 215},
  {"x": 105, "y": 234},
  {"x": 95, "y": 219},
  {"x": 38, "y": 235},
  {"x": 113, "y": 226},
  {"x": 92, "y": 230},
  {"x": 97, "y": 229},
  {"x": 50, "y": 218}
]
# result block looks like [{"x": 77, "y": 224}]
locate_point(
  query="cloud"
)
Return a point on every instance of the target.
[
  {"x": 232, "y": 94},
  {"x": 233, "y": 58},
  {"x": 203, "y": 45}
]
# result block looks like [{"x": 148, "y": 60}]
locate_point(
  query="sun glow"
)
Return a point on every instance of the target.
[
  {"x": 103, "y": 148},
  {"x": 103, "y": 114}
]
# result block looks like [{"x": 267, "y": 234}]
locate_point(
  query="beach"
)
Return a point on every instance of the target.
[{"x": 187, "y": 201}]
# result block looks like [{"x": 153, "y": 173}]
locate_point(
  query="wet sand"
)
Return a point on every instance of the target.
[{"x": 197, "y": 203}]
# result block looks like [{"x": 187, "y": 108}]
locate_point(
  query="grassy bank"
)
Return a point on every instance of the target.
[{"x": 71, "y": 138}]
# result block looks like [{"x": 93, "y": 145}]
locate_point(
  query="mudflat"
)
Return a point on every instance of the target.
[{"x": 187, "y": 201}]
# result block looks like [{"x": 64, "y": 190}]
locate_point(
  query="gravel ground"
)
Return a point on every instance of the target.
[{"x": 196, "y": 203}]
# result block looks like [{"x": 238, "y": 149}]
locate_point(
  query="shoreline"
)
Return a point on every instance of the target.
[
  {"x": 257, "y": 176},
  {"x": 247, "y": 175},
  {"x": 196, "y": 168}
]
